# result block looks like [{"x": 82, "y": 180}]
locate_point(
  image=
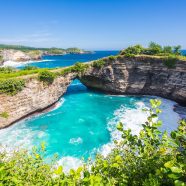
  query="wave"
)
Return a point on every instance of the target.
[
  {"x": 134, "y": 118},
  {"x": 19, "y": 64},
  {"x": 70, "y": 162},
  {"x": 76, "y": 141}
]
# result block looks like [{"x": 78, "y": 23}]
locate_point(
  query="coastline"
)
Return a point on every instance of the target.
[{"x": 21, "y": 63}]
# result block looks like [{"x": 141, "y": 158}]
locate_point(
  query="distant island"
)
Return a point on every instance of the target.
[{"x": 19, "y": 53}]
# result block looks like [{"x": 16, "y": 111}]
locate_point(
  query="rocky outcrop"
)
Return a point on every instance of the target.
[
  {"x": 139, "y": 75},
  {"x": 19, "y": 56},
  {"x": 35, "y": 97}
]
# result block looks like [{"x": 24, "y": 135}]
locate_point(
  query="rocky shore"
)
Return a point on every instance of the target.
[{"x": 19, "y": 56}]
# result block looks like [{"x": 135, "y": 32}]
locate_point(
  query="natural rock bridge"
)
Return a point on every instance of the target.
[{"x": 140, "y": 75}]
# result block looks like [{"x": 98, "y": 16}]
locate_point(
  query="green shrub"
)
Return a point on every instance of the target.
[
  {"x": 28, "y": 67},
  {"x": 177, "y": 50},
  {"x": 99, "y": 63},
  {"x": 47, "y": 76},
  {"x": 129, "y": 55},
  {"x": 152, "y": 158},
  {"x": 4, "y": 115},
  {"x": 135, "y": 50},
  {"x": 170, "y": 61},
  {"x": 11, "y": 86},
  {"x": 7, "y": 70},
  {"x": 79, "y": 67},
  {"x": 112, "y": 57}
]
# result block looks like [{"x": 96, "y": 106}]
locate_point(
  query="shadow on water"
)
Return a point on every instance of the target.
[{"x": 76, "y": 87}]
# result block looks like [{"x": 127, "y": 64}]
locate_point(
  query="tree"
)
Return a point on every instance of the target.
[
  {"x": 177, "y": 50},
  {"x": 154, "y": 48},
  {"x": 167, "y": 49}
]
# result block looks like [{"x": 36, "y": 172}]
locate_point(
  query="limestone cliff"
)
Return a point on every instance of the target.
[
  {"x": 19, "y": 56},
  {"x": 139, "y": 75},
  {"x": 35, "y": 97}
]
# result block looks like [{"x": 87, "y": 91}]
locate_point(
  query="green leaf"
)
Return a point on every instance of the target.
[
  {"x": 168, "y": 164},
  {"x": 176, "y": 169},
  {"x": 179, "y": 183},
  {"x": 120, "y": 126}
]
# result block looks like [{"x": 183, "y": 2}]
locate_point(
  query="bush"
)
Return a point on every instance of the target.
[
  {"x": 135, "y": 50},
  {"x": 11, "y": 86},
  {"x": 7, "y": 70},
  {"x": 112, "y": 57},
  {"x": 79, "y": 67},
  {"x": 170, "y": 61},
  {"x": 152, "y": 158},
  {"x": 30, "y": 67},
  {"x": 98, "y": 63},
  {"x": 47, "y": 77},
  {"x": 4, "y": 115},
  {"x": 154, "y": 49}
]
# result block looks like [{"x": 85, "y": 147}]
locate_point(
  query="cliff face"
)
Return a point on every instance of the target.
[
  {"x": 35, "y": 97},
  {"x": 139, "y": 75},
  {"x": 18, "y": 56}
]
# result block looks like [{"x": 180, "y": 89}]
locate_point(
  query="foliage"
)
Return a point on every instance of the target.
[
  {"x": 47, "y": 76},
  {"x": 98, "y": 63},
  {"x": 7, "y": 70},
  {"x": 11, "y": 86},
  {"x": 177, "y": 50},
  {"x": 135, "y": 50},
  {"x": 112, "y": 57},
  {"x": 152, "y": 158},
  {"x": 153, "y": 49},
  {"x": 170, "y": 61},
  {"x": 28, "y": 67},
  {"x": 167, "y": 49},
  {"x": 4, "y": 115}
]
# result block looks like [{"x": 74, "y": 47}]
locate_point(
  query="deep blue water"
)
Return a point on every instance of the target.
[
  {"x": 70, "y": 59},
  {"x": 84, "y": 121}
]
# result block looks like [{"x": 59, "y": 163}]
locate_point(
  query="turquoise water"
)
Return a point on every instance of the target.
[{"x": 83, "y": 123}]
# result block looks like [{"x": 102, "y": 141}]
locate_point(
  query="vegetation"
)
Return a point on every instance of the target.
[
  {"x": 4, "y": 115},
  {"x": 28, "y": 67},
  {"x": 47, "y": 76},
  {"x": 153, "y": 49},
  {"x": 170, "y": 61},
  {"x": 7, "y": 70},
  {"x": 98, "y": 63},
  {"x": 37, "y": 51},
  {"x": 152, "y": 158},
  {"x": 11, "y": 86}
]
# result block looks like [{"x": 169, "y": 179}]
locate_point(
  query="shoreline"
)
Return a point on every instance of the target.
[{"x": 21, "y": 63}]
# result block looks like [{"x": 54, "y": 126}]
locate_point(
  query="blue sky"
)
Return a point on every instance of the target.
[{"x": 92, "y": 24}]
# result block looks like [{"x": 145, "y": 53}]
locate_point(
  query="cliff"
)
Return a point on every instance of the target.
[
  {"x": 19, "y": 56},
  {"x": 140, "y": 75},
  {"x": 35, "y": 97}
]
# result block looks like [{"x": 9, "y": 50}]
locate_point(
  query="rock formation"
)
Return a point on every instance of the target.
[
  {"x": 19, "y": 56},
  {"x": 138, "y": 76},
  {"x": 35, "y": 97}
]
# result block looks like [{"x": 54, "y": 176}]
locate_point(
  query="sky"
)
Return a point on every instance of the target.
[{"x": 92, "y": 24}]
